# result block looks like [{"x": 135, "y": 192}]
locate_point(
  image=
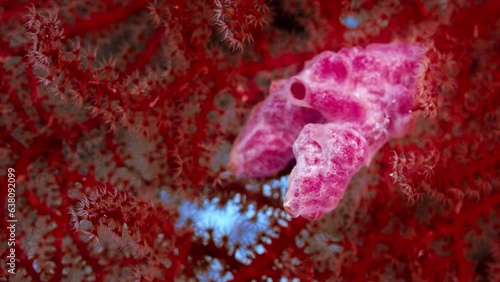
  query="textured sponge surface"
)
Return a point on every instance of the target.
[{"x": 332, "y": 117}]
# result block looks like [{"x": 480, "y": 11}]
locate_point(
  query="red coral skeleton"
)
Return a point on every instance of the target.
[{"x": 118, "y": 117}]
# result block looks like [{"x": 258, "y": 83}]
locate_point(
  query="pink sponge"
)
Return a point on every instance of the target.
[
  {"x": 337, "y": 113},
  {"x": 264, "y": 146},
  {"x": 328, "y": 155}
]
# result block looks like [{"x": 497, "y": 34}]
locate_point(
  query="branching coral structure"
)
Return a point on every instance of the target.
[
  {"x": 335, "y": 115},
  {"x": 118, "y": 119}
]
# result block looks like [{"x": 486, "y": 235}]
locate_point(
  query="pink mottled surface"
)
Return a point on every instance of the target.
[
  {"x": 336, "y": 113},
  {"x": 264, "y": 146},
  {"x": 327, "y": 156}
]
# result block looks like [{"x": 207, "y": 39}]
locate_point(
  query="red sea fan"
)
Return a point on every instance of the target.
[{"x": 118, "y": 119}]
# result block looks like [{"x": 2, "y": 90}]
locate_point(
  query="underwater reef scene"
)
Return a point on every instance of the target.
[
  {"x": 233, "y": 140},
  {"x": 358, "y": 100}
]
